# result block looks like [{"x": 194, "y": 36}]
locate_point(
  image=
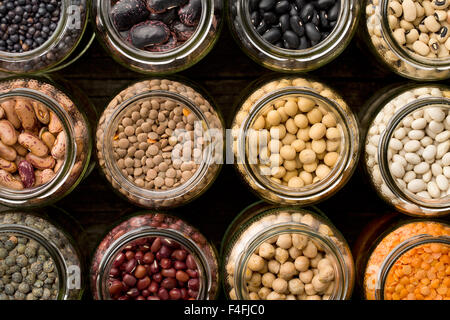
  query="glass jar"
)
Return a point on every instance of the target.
[
  {"x": 70, "y": 39},
  {"x": 198, "y": 39},
  {"x": 38, "y": 259},
  {"x": 400, "y": 57},
  {"x": 298, "y": 248},
  {"x": 405, "y": 172},
  {"x": 160, "y": 143},
  {"x": 46, "y": 142},
  {"x": 139, "y": 259},
  {"x": 403, "y": 259},
  {"x": 314, "y": 166},
  {"x": 288, "y": 60}
]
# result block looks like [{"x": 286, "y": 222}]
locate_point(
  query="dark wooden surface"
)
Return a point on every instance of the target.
[{"x": 224, "y": 73}]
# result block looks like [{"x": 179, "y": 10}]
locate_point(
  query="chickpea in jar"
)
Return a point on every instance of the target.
[{"x": 286, "y": 254}]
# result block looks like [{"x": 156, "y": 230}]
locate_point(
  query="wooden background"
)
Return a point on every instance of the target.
[{"x": 224, "y": 73}]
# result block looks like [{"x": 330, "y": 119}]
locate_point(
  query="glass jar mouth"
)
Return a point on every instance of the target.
[
  {"x": 143, "y": 56},
  {"x": 17, "y": 197},
  {"x": 53, "y": 251},
  {"x": 442, "y": 205},
  {"x": 414, "y": 59},
  {"x": 397, "y": 253},
  {"x": 320, "y": 49},
  {"x": 112, "y": 166},
  {"x": 51, "y": 42},
  {"x": 321, "y": 187},
  {"x": 342, "y": 277},
  {"x": 149, "y": 232}
]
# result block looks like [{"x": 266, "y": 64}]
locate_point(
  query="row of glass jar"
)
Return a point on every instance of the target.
[
  {"x": 192, "y": 40},
  {"x": 161, "y": 143},
  {"x": 268, "y": 253}
]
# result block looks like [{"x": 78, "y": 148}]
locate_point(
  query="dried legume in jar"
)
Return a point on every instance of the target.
[
  {"x": 418, "y": 153},
  {"x": 156, "y": 25},
  {"x": 388, "y": 244},
  {"x": 294, "y": 25},
  {"x": 422, "y": 273}
]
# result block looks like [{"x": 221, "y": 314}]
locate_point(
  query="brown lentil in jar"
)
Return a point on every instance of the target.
[
  {"x": 154, "y": 257},
  {"x": 160, "y": 143}
]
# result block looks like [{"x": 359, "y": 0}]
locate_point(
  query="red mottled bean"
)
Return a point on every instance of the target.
[
  {"x": 170, "y": 273},
  {"x": 148, "y": 258},
  {"x": 156, "y": 245},
  {"x": 165, "y": 263},
  {"x": 133, "y": 292},
  {"x": 179, "y": 255},
  {"x": 169, "y": 283},
  {"x": 143, "y": 283},
  {"x": 179, "y": 265},
  {"x": 175, "y": 294},
  {"x": 130, "y": 266},
  {"x": 157, "y": 277},
  {"x": 194, "y": 284},
  {"x": 129, "y": 280},
  {"x": 115, "y": 287},
  {"x": 190, "y": 262},
  {"x": 182, "y": 276},
  {"x": 153, "y": 287},
  {"x": 129, "y": 255},
  {"x": 163, "y": 294},
  {"x": 140, "y": 272}
]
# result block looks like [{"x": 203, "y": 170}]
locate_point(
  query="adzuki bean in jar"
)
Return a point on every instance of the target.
[
  {"x": 285, "y": 253},
  {"x": 38, "y": 260},
  {"x": 158, "y": 36},
  {"x": 154, "y": 257},
  {"x": 160, "y": 143},
  {"x": 407, "y": 147},
  {"x": 293, "y": 36},
  {"x": 42, "y": 35},
  {"x": 403, "y": 259},
  {"x": 45, "y": 143},
  {"x": 410, "y": 37},
  {"x": 295, "y": 140}
]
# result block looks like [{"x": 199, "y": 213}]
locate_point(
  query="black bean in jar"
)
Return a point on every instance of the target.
[{"x": 294, "y": 24}]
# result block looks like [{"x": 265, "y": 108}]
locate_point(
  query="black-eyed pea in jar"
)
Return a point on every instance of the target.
[
  {"x": 411, "y": 37},
  {"x": 160, "y": 143},
  {"x": 295, "y": 140},
  {"x": 285, "y": 253}
]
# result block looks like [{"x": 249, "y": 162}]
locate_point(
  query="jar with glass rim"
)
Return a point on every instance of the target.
[
  {"x": 262, "y": 223},
  {"x": 267, "y": 94},
  {"x": 378, "y": 35},
  {"x": 389, "y": 253},
  {"x": 55, "y": 175},
  {"x": 70, "y": 40},
  {"x": 286, "y": 60},
  {"x": 208, "y": 130},
  {"x": 383, "y": 120},
  {"x": 168, "y": 61},
  {"x": 147, "y": 234},
  {"x": 44, "y": 232}
]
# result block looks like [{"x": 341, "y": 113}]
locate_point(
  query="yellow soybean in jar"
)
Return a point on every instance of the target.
[{"x": 295, "y": 140}]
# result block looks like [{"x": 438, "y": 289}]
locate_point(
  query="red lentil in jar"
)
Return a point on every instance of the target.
[
  {"x": 154, "y": 257},
  {"x": 409, "y": 262}
]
